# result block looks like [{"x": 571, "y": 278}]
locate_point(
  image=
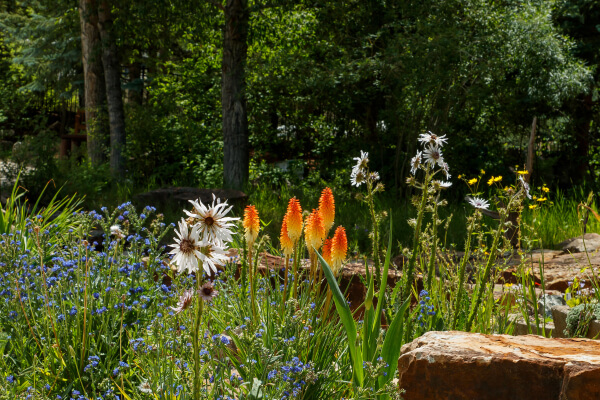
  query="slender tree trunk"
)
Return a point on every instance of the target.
[
  {"x": 233, "y": 97},
  {"x": 93, "y": 77},
  {"x": 112, "y": 78}
]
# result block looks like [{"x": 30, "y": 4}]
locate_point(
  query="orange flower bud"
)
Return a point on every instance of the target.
[
  {"x": 314, "y": 232},
  {"x": 327, "y": 208},
  {"x": 286, "y": 243},
  {"x": 251, "y": 224},
  {"x": 339, "y": 248},
  {"x": 294, "y": 219}
]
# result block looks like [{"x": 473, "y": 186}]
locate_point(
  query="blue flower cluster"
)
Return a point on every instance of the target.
[{"x": 425, "y": 309}]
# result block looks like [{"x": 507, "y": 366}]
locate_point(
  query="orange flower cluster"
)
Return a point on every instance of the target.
[
  {"x": 327, "y": 208},
  {"x": 314, "y": 231},
  {"x": 294, "y": 219},
  {"x": 251, "y": 224},
  {"x": 284, "y": 238},
  {"x": 339, "y": 248}
]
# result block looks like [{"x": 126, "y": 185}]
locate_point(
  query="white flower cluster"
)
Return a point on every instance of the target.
[
  {"x": 203, "y": 237},
  {"x": 431, "y": 156},
  {"x": 360, "y": 171}
]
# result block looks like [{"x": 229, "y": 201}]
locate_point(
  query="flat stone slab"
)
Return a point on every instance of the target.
[{"x": 460, "y": 365}]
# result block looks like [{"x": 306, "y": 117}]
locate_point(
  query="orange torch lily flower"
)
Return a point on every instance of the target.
[
  {"x": 339, "y": 248},
  {"x": 326, "y": 253},
  {"x": 251, "y": 224},
  {"x": 294, "y": 220},
  {"x": 314, "y": 231},
  {"x": 327, "y": 208},
  {"x": 286, "y": 243}
]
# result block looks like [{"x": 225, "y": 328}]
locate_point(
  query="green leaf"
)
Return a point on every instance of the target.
[
  {"x": 349, "y": 325},
  {"x": 390, "y": 352}
]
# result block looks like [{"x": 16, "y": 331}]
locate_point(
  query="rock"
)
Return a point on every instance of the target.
[
  {"x": 547, "y": 301},
  {"x": 576, "y": 245},
  {"x": 179, "y": 197},
  {"x": 559, "y": 269},
  {"x": 521, "y": 328},
  {"x": 460, "y": 365},
  {"x": 559, "y": 316}
]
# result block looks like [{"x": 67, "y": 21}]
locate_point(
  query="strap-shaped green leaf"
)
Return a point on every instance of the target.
[
  {"x": 390, "y": 352},
  {"x": 349, "y": 325}
]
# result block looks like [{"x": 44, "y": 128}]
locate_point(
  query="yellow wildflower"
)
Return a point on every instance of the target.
[
  {"x": 494, "y": 179},
  {"x": 542, "y": 199},
  {"x": 472, "y": 181},
  {"x": 482, "y": 172},
  {"x": 533, "y": 206},
  {"x": 524, "y": 172},
  {"x": 545, "y": 189}
]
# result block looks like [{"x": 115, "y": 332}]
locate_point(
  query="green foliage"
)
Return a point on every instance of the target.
[{"x": 579, "y": 318}]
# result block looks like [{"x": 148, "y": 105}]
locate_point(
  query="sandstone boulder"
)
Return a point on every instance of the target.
[
  {"x": 459, "y": 365},
  {"x": 589, "y": 242}
]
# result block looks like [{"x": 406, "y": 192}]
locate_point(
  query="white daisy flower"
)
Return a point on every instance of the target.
[
  {"x": 212, "y": 255},
  {"x": 442, "y": 184},
  {"x": 374, "y": 176},
  {"x": 211, "y": 221},
  {"x": 362, "y": 161},
  {"x": 432, "y": 139},
  {"x": 186, "y": 250},
  {"x": 185, "y": 300},
  {"x": 115, "y": 230},
  {"x": 358, "y": 177},
  {"x": 415, "y": 162},
  {"x": 207, "y": 292},
  {"x": 145, "y": 387},
  {"x": 433, "y": 155},
  {"x": 478, "y": 202}
]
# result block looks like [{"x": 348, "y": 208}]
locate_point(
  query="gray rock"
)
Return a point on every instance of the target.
[
  {"x": 576, "y": 245},
  {"x": 547, "y": 301}
]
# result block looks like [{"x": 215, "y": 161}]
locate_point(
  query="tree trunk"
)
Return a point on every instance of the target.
[
  {"x": 112, "y": 78},
  {"x": 233, "y": 97},
  {"x": 93, "y": 77}
]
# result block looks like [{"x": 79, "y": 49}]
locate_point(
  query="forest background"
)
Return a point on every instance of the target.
[{"x": 279, "y": 95}]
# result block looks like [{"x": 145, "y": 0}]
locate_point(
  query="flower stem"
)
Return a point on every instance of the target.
[
  {"x": 295, "y": 273},
  {"x": 196, "y": 347},
  {"x": 431, "y": 269},
  {"x": 486, "y": 273},
  {"x": 375, "y": 233},
  {"x": 415, "y": 247},
  {"x": 461, "y": 276}
]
